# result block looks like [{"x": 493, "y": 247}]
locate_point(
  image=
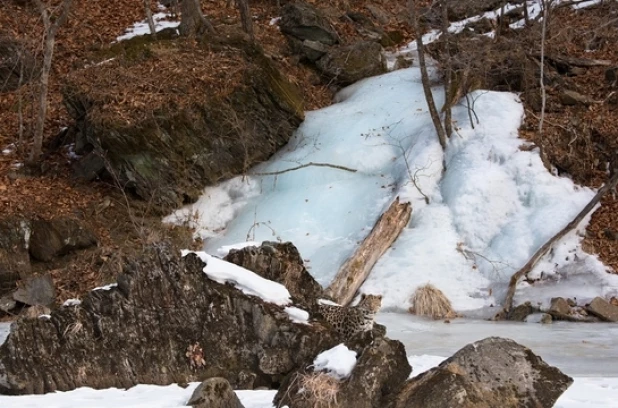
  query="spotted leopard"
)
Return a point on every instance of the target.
[{"x": 348, "y": 321}]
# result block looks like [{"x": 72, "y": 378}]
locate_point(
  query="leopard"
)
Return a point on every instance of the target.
[{"x": 349, "y": 320}]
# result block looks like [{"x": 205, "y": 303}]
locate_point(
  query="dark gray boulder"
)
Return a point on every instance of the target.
[
  {"x": 36, "y": 290},
  {"x": 347, "y": 64},
  {"x": 164, "y": 322},
  {"x": 303, "y": 21},
  {"x": 489, "y": 373},
  {"x": 280, "y": 262},
  {"x": 14, "y": 259},
  {"x": 214, "y": 393},
  {"x": 59, "y": 236}
]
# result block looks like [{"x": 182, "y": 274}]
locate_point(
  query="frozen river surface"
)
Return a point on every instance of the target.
[{"x": 578, "y": 349}]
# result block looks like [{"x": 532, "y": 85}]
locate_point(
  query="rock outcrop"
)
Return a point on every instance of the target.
[
  {"x": 214, "y": 393},
  {"x": 313, "y": 38},
  {"x": 603, "y": 309},
  {"x": 380, "y": 371},
  {"x": 280, "y": 262},
  {"x": 164, "y": 322},
  {"x": 350, "y": 63},
  {"x": 14, "y": 259},
  {"x": 166, "y": 117},
  {"x": 58, "y": 237},
  {"x": 489, "y": 373}
]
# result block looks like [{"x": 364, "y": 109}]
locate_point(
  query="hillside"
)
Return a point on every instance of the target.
[{"x": 578, "y": 139}]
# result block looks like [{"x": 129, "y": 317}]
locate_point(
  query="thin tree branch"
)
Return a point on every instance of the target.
[
  {"x": 333, "y": 166},
  {"x": 508, "y": 302}
]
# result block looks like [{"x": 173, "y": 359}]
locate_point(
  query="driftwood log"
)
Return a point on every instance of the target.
[
  {"x": 355, "y": 270},
  {"x": 508, "y": 302}
]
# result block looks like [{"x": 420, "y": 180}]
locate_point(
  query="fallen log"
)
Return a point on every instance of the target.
[
  {"x": 356, "y": 269},
  {"x": 508, "y": 302},
  {"x": 575, "y": 62}
]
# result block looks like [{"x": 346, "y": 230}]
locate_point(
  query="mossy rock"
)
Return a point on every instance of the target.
[{"x": 172, "y": 116}]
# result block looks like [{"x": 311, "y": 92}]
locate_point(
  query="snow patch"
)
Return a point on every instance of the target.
[
  {"x": 72, "y": 302},
  {"x": 225, "y": 249},
  {"x": 106, "y": 287},
  {"x": 141, "y": 28},
  {"x": 338, "y": 361},
  {"x": 297, "y": 315},
  {"x": 243, "y": 279}
]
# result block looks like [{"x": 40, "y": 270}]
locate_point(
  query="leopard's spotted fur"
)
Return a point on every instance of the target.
[{"x": 348, "y": 321}]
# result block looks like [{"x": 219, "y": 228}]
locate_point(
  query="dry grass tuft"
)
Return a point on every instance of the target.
[
  {"x": 430, "y": 301},
  {"x": 319, "y": 388}
]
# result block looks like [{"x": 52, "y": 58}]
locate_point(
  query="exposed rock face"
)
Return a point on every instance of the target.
[
  {"x": 37, "y": 290},
  {"x": 280, "y": 262},
  {"x": 302, "y": 21},
  {"x": 214, "y": 393},
  {"x": 59, "y": 236},
  {"x": 603, "y": 309},
  {"x": 164, "y": 322},
  {"x": 489, "y": 373},
  {"x": 201, "y": 112},
  {"x": 350, "y": 63},
  {"x": 14, "y": 259},
  {"x": 380, "y": 372}
]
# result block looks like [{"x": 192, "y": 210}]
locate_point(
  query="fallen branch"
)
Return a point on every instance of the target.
[
  {"x": 508, "y": 302},
  {"x": 356, "y": 269},
  {"x": 576, "y": 62},
  {"x": 333, "y": 166}
]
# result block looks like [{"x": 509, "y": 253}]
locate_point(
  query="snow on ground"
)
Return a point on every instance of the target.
[
  {"x": 493, "y": 207},
  {"x": 338, "y": 362},
  {"x": 247, "y": 281},
  {"x": 141, "y": 28},
  {"x": 425, "y": 341}
]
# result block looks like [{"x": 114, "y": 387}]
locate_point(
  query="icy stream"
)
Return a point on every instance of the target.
[{"x": 578, "y": 349}]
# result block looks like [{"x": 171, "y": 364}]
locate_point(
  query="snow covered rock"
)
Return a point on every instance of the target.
[
  {"x": 164, "y": 322},
  {"x": 380, "y": 370},
  {"x": 214, "y": 393},
  {"x": 280, "y": 262},
  {"x": 493, "y": 372}
]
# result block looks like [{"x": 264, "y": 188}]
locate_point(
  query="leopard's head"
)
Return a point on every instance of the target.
[{"x": 371, "y": 303}]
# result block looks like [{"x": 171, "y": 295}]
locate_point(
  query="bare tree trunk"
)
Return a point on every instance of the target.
[
  {"x": 448, "y": 77},
  {"x": 508, "y": 302},
  {"x": 356, "y": 269},
  {"x": 542, "y": 79},
  {"x": 20, "y": 105},
  {"x": 435, "y": 117},
  {"x": 50, "y": 39},
  {"x": 192, "y": 21},
  {"x": 151, "y": 23},
  {"x": 526, "y": 15},
  {"x": 245, "y": 17}
]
